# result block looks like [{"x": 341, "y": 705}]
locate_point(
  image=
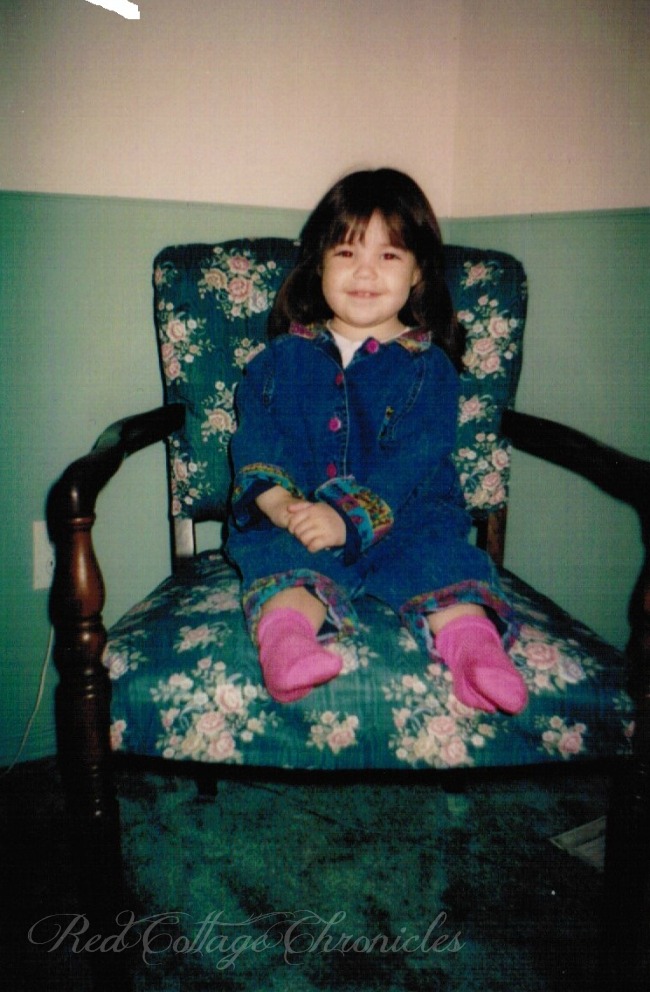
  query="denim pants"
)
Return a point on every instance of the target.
[{"x": 413, "y": 570}]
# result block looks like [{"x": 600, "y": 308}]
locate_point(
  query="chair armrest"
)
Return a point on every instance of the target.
[
  {"x": 626, "y": 479},
  {"x": 76, "y": 491},
  {"x": 620, "y": 475},
  {"x": 77, "y": 594}
]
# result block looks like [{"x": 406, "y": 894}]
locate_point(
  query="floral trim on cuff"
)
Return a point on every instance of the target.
[
  {"x": 340, "y": 611},
  {"x": 367, "y": 515},
  {"x": 250, "y": 482},
  {"x": 414, "y": 613}
]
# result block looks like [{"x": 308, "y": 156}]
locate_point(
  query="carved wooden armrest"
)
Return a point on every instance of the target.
[
  {"x": 618, "y": 474},
  {"x": 77, "y": 595},
  {"x": 627, "y": 479}
]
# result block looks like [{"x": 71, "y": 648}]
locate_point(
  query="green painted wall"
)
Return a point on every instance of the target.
[{"x": 78, "y": 352}]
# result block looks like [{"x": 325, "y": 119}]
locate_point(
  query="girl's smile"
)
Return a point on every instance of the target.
[{"x": 367, "y": 282}]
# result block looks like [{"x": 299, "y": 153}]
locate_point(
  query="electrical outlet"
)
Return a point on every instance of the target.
[{"x": 43, "y": 556}]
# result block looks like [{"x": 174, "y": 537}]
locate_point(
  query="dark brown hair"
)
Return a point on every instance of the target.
[{"x": 342, "y": 216}]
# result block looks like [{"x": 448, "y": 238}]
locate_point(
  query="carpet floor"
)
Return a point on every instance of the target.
[{"x": 315, "y": 887}]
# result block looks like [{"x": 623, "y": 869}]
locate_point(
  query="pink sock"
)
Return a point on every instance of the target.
[
  {"x": 484, "y": 677},
  {"x": 292, "y": 660}
]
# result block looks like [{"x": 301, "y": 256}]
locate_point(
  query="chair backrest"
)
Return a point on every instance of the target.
[{"x": 211, "y": 305}]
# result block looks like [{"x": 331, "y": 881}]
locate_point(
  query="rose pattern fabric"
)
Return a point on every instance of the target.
[{"x": 187, "y": 685}]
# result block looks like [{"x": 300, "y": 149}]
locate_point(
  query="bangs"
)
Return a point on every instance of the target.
[{"x": 350, "y": 228}]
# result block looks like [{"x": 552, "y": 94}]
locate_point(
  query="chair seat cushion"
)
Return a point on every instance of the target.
[{"x": 187, "y": 687}]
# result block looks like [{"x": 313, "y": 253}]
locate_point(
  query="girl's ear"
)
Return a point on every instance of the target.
[{"x": 416, "y": 277}]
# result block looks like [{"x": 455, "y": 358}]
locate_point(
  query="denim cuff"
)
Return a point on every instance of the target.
[
  {"x": 367, "y": 516},
  {"x": 250, "y": 482}
]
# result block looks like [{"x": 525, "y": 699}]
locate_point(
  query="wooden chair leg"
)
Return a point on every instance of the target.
[
  {"x": 83, "y": 735},
  {"x": 626, "y": 899},
  {"x": 207, "y": 784}
]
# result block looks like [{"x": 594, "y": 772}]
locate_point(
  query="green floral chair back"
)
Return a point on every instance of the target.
[{"x": 211, "y": 305}]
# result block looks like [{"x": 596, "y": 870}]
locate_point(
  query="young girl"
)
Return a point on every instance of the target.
[{"x": 344, "y": 483}]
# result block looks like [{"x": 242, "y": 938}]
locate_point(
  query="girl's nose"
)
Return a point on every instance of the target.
[{"x": 365, "y": 268}]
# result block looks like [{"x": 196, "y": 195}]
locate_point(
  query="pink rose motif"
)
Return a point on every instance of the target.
[
  {"x": 215, "y": 279},
  {"x": 168, "y": 718},
  {"x": 500, "y": 458},
  {"x": 400, "y": 718},
  {"x": 239, "y": 289},
  {"x": 229, "y": 699},
  {"x": 197, "y": 635},
  {"x": 484, "y": 346},
  {"x": 339, "y": 738},
  {"x": 176, "y": 330},
  {"x": 497, "y": 496},
  {"x": 454, "y": 752},
  {"x": 499, "y": 327},
  {"x": 222, "y": 747},
  {"x": 540, "y": 655},
  {"x": 219, "y": 420},
  {"x": 491, "y": 364},
  {"x": 117, "y": 734},
  {"x": 173, "y": 369},
  {"x": 570, "y": 743},
  {"x": 210, "y": 723},
  {"x": 491, "y": 481},
  {"x": 441, "y": 726},
  {"x": 477, "y": 273},
  {"x": 238, "y": 263},
  {"x": 471, "y": 409},
  {"x": 179, "y": 469}
]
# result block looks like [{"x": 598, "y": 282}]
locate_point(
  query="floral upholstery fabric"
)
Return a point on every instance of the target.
[
  {"x": 185, "y": 675},
  {"x": 187, "y": 686}
]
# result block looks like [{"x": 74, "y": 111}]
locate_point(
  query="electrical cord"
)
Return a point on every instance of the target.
[{"x": 37, "y": 705}]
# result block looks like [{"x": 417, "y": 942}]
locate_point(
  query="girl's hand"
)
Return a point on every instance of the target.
[
  {"x": 274, "y": 503},
  {"x": 316, "y": 525}
]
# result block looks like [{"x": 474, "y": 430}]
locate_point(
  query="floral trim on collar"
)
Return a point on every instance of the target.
[{"x": 416, "y": 339}]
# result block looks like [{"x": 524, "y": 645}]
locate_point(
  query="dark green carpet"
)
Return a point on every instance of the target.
[{"x": 312, "y": 888}]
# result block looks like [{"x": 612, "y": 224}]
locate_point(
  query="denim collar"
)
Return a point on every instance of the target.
[{"x": 415, "y": 340}]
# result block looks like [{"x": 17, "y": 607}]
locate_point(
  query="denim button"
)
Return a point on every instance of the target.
[
  {"x": 372, "y": 346},
  {"x": 331, "y": 470},
  {"x": 340, "y": 378},
  {"x": 335, "y": 424}
]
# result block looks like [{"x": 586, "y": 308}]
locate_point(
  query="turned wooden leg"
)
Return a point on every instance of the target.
[
  {"x": 83, "y": 732},
  {"x": 626, "y": 907}
]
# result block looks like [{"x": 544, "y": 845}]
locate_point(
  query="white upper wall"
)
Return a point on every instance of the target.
[
  {"x": 511, "y": 106},
  {"x": 553, "y": 105}
]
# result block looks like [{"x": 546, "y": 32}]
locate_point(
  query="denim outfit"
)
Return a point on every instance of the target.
[{"x": 374, "y": 440}]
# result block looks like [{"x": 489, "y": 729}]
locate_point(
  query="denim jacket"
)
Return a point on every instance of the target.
[{"x": 367, "y": 439}]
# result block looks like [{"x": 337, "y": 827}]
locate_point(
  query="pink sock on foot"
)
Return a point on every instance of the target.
[
  {"x": 484, "y": 676},
  {"x": 292, "y": 660}
]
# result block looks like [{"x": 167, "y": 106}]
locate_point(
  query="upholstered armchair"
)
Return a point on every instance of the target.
[{"x": 177, "y": 678}]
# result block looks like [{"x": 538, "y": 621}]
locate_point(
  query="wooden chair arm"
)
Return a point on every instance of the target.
[
  {"x": 625, "y": 478},
  {"x": 77, "y": 490},
  {"x": 618, "y": 474},
  {"x": 77, "y": 594}
]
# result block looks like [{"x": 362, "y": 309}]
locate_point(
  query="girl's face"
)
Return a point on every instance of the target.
[{"x": 366, "y": 282}]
